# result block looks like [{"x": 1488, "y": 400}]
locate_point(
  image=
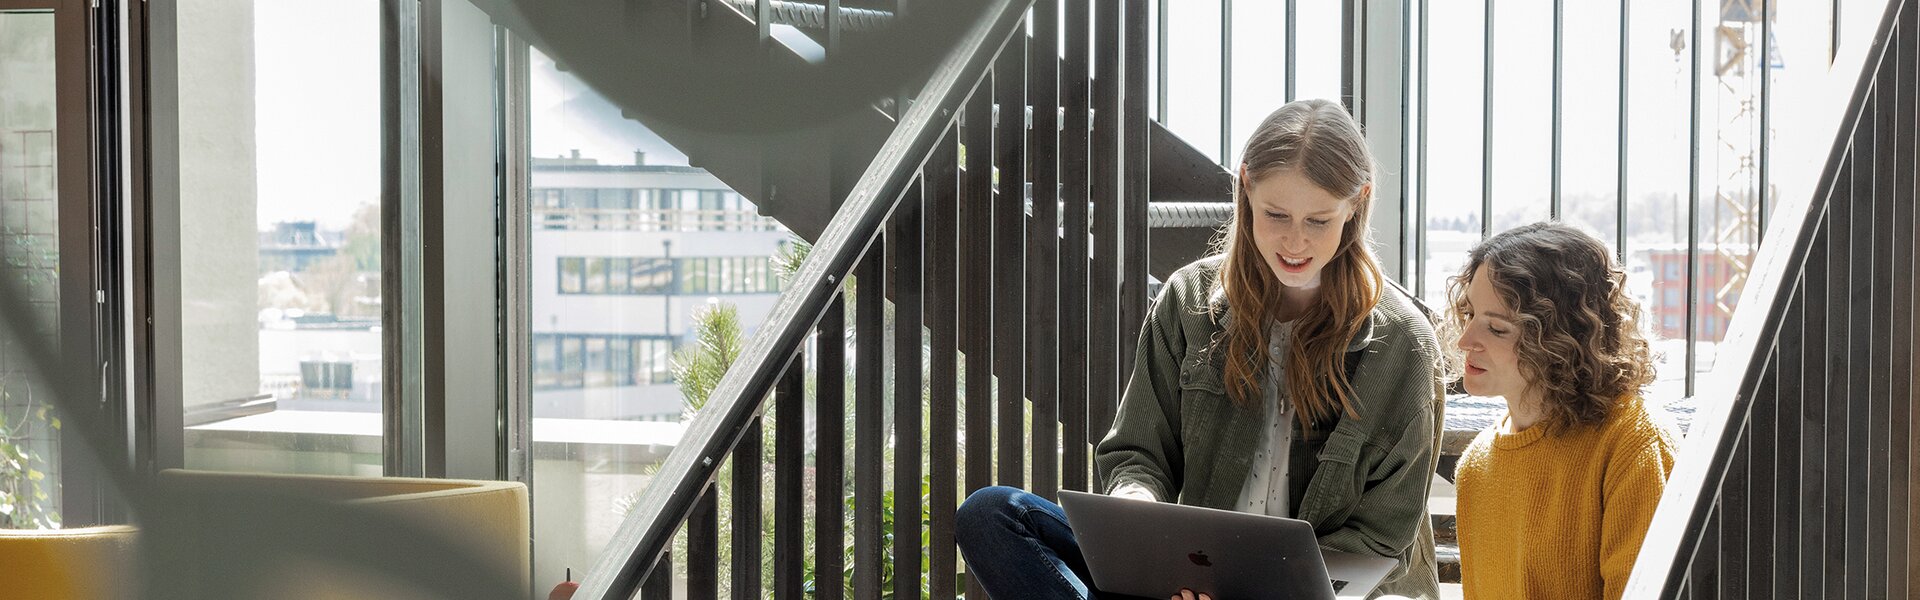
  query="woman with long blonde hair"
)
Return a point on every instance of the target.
[{"x": 1281, "y": 377}]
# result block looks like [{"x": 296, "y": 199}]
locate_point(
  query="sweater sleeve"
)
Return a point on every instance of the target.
[{"x": 1636, "y": 476}]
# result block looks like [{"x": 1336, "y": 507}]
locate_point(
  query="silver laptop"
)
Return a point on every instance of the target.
[{"x": 1153, "y": 549}]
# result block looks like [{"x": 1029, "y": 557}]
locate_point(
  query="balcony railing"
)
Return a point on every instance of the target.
[{"x": 649, "y": 219}]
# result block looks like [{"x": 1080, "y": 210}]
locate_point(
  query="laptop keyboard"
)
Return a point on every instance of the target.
[{"x": 1338, "y": 585}]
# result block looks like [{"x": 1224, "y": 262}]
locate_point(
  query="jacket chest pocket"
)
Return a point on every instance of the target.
[
  {"x": 1199, "y": 373},
  {"x": 1202, "y": 392},
  {"x": 1337, "y": 481}
]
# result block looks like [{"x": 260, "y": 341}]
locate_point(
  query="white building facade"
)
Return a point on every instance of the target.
[{"x": 624, "y": 257}]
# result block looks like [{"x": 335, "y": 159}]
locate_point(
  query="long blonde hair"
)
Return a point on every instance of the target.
[{"x": 1317, "y": 139}]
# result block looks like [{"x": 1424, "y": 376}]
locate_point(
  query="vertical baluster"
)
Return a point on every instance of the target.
[
  {"x": 1734, "y": 492},
  {"x": 747, "y": 532},
  {"x": 1860, "y": 322},
  {"x": 1813, "y": 410},
  {"x": 789, "y": 505},
  {"x": 1906, "y": 504},
  {"x": 1135, "y": 173},
  {"x": 1789, "y": 406},
  {"x": 1763, "y": 459},
  {"x": 703, "y": 547},
  {"x": 1074, "y": 345},
  {"x": 1043, "y": 248},
  {"x": 868, "y": 434},
  {"x": 659, "y": 583},
  {"x": 1009, "y": 221},
  {"x": 1703, "y": 579},
  {"x": 1103, "y": 379},
  {"x": 1834, "y": 308},
  {"x": 830, "y": 451},
  {"x": 1879, "y": 347},
  {"x": 976, "y": 316},
  {"x": 976, "y": 223},
  {"x": 903, "y": 265},
  {"x": 942, "y": 186}
]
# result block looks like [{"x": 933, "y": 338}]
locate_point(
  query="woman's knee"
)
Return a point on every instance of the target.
[{"x": 984, "y": 508}]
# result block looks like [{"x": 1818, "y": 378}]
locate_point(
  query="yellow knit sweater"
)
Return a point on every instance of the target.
[{"x": 1560, "y": 516}]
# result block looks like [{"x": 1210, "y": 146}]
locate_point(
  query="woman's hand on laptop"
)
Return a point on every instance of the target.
[
  {"x": 1133, "y": 491},
  {"x": 1187, "y": 594}
]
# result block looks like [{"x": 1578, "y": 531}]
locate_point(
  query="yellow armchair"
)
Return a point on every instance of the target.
[
  {"x": 488, "y": 519},
  {"x": 86, "y": 563}
]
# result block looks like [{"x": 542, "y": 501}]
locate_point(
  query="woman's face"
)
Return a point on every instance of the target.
[
  {"x": 1296, "y": 225},
  {"x": 1487, "y": 340}
]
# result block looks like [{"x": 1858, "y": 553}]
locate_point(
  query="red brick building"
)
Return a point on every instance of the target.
[{"x": 1668, "y": 306}]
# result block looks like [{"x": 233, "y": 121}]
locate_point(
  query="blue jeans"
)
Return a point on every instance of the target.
[{"x": 1018, "y": 545}]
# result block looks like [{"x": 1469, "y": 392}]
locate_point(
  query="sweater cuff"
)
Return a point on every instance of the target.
[{"x": 1131, "y": 486}]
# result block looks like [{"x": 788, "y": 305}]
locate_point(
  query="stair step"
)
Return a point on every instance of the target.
[{"x": 1446, "y": 559}]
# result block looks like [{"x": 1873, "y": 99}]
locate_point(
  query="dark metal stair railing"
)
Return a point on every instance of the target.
[
  {"x": 1797, "y": 478},
  {"x": 1021, "y": 328}
]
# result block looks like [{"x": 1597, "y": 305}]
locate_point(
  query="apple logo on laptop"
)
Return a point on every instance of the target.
[{"x": 1200, "y": 559}]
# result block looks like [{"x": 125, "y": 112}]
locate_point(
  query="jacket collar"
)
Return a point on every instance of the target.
[{"x": 1221, "y": 314}]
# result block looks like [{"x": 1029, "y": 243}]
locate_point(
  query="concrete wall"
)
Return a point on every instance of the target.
[{"x": 218, "y": 202}]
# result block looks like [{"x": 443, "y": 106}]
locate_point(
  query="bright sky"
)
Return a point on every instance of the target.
[{"x": 317, "y": 109}]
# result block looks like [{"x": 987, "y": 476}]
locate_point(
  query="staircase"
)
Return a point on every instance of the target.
[
  {"x": 786, "y": 128},
  {"x": 955, "y": 222},
  {"x": 1797, "y": 478},
  {"x": 994, "y": 202}
]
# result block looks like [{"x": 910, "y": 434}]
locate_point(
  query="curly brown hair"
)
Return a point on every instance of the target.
[{"x": 1580, "y": 344}]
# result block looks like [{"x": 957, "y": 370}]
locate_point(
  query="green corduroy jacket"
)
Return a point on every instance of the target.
[{"x": 1361, "y": 482}]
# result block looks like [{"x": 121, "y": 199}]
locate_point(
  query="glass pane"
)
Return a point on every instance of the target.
[
  {"x": 1193, "y": 86},
  {"x": 29, "y": 258},
  {"x": 1259, "y": 68},
  {"x": 627, "y": 254},
  {"x": 1657, "y": 147},
  {"x": 1319, "y": 49},
  {"x": 1730, "y": 157},
  {"x": 1522, "y": 113},
  {"x": 280, "y": 237},
  {"x": 1590, "y": 100},
  {"x": 1454, "y": 133},
  {"x": 617, "y": 274},
  {"x": 596, "y": 275}
]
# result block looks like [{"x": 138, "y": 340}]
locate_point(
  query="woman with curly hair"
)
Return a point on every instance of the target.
[
  {"x": 1555, "y": 498},
  {"x": 1280, "y": 377}
]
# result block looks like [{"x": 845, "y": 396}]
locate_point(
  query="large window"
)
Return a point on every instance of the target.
[
  {"x": 1635, "y": 175},
  {"x": 601, "y": 361},
  {"x": 1251, "y": 44},
  {"x": 279, "y": 235},
  {"x": 631, "y": 248},
  {"x": 708, "y": 275},
  {"x": 30, "y": 466},
  {"x": 1638, "y": 121}
]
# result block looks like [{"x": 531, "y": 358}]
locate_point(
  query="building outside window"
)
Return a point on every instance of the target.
[{"x": 629, "y": 245}]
